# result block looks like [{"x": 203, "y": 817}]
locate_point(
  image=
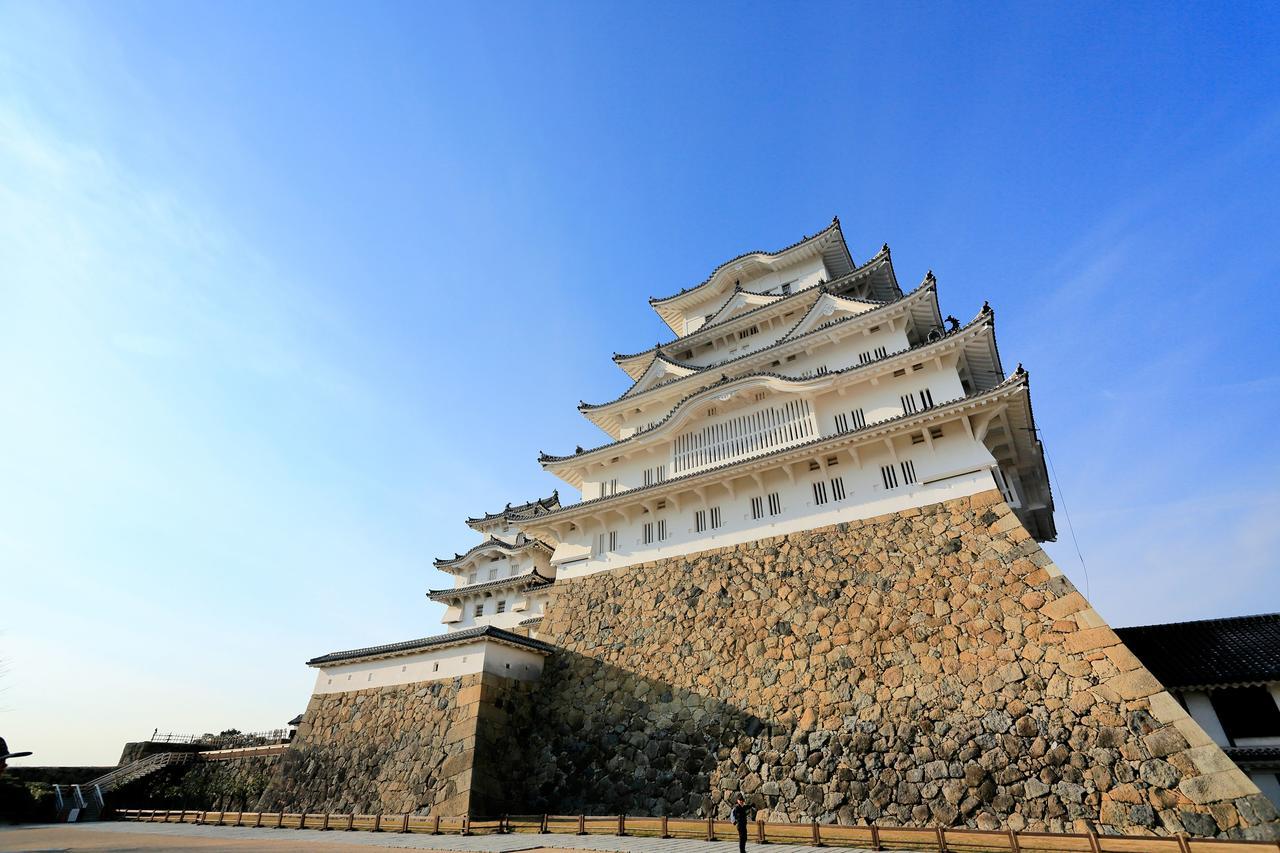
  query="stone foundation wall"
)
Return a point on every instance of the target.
[
  {"x": 231, "y": 784},
  {"x": 408, "y": 748},
  {"x": 930, "y": 666}
]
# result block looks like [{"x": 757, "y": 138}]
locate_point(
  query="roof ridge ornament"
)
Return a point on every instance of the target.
[{"x": 835, "y": 220}]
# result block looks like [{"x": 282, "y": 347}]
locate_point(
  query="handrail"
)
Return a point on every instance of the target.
[
  {"x": 869, "y": 836},
  {"x": 137, "y": 769}
]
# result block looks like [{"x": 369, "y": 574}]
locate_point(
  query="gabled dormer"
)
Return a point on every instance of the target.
[{"x": 829, "y": 309}]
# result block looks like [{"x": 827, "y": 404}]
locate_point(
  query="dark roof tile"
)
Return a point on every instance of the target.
[{"x": 1209, "y": 652}]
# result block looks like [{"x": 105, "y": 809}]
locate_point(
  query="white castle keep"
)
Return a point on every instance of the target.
[{"x": 800, "y": 390}]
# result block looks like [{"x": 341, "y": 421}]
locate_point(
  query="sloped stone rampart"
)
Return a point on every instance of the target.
[
  {"x": 930, "y": 666},
  {"x": 408, "y": 748}
]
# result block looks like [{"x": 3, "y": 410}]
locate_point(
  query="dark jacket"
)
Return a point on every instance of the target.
[{"x": 740, "y": 817}]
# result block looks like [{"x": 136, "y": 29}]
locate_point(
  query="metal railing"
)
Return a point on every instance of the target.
[
  {"x": 873, "y": 837},
  {"x": 137, "y": 769},
  {"x": 223, "y": 741}
]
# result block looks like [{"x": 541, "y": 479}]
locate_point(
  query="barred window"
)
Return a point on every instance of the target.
[
  {"x": 837, "y": 488},
  {"x": 700, "y": 521},
  {"x": 889, "y": 475},
  {"x": 819, "y": 493},
  {"x": 775, "y": 503},
  {"x": 757, "y": 507},
  {"x": 648, "y": 533},
  {"x": 715, "y": 517}
]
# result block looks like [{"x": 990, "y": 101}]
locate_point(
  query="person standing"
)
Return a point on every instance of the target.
[{"x": 739, "y": 818}]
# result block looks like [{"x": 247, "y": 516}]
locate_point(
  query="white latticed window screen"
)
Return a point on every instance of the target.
[{"x": 744, "y": 435}]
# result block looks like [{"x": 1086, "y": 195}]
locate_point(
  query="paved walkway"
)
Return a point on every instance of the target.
[{"x": 161, "y": 836}]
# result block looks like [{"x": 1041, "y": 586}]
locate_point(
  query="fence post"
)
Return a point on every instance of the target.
[
  {"x": 435, "y": 827},
  {"x": 582, "y": 824},
  {"x": 760, "y": 830},
  {"x": 942, "y": 840},
  {"x": 665, "y": 834},
  {"x": 279, "y": 819},
  {"x": 324, "y": 824},
  {"x": 711, "y": 827},
  {"x": 622, "y": 824},
  {"x": 377, "y": 821},
  {"x": 875, "y": 837},
  {"x": 466, "y": 824},
  {"x": 404, "y": 827},
  {"x": 182, "y": 816},
  {"x": 817, "y": 837},
  {"x": 543, "y": 828},
  {"x": 1093, "y": 842},
  {"x": 351, "y": 820},
  {"x": 302, "y": 820},
  {"x": 1185, "y": 846},
  {"x": 257, "y": 821},
  {"x": 1014, "y": 847}
]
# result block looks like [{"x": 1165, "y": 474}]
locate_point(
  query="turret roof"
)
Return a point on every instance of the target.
[
  {"x": 928, "y": 285},
  {"x": 454, "y": 638},
  {"x": 985, "y": 317},
  {"x": 522, "y": 543},
  {"x": 523, "y": 510},
  {"x": 531, "y": 578}
]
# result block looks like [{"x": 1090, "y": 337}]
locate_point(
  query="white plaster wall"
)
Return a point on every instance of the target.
[
  {"x": 430, "y": 665},
  {"x": 833, "y": 356},
  {"x": 1201, "y": 710},
  {"x": 959, "y": 465},
  {"x": 878, "y": 402},
  {"x": 1268, "y": 784}
]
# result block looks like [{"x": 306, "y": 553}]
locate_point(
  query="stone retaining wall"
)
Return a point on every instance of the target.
[
  {"x": 930, "y": 666},
  {"x": 408, "y": 748}
]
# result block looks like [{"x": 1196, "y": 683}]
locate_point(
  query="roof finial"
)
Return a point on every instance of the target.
[
  {"x": 885, "y": 248},
  {"x": 986, "y": 307},
  {"x": 578, "y": 449},
  {"x": 1021, "y": 371},
  {"x": 952, "y": 322},
  {"x": 835, "y": 220},
  {"x": 929, "y": 276}
]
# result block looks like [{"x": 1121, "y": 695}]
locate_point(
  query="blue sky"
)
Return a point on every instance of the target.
[{"x": 288, "y": 289}]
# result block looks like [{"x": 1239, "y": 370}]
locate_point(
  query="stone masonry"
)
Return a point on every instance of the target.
[
  {"x": 930, "y": 666},
  {"x": 925, "y": 667},
  {"x": 410, "y": 748}
]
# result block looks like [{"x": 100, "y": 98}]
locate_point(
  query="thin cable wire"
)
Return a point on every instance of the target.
[{"x": 1071, "y": 527}]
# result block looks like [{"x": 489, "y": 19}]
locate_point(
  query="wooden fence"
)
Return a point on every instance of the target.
[{"x": 943, "y": 840}]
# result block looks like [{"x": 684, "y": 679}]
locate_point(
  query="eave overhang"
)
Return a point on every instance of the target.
[
  {"x": 528, "y": 579},
  {"x": 829, "y": 242},
  {"x": 510, "y": 512},
  {"x": 448, "y": 563},
  {"x": 883, "y": 288},
  {"x": 606, "y": 415},
  {"x": 1015, "y": 387},
  {"x": 469, "y": 636}
]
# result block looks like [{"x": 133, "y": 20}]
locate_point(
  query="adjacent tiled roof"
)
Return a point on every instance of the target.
[
  {"x": 520, "y": 544},
  {"x": 985, "y": 317},
  {"x": 487, "y": 632},
  {"x": 1242, "y": 649},
  {"x": 530, "y": 508},
  {"x": 1252, "y": 755},
  {"x": 834, "y": 226},
  {"x": 511, "y": 580},
  {"x": 296, "y": 721}
]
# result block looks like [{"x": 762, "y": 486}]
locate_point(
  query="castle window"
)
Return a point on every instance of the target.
[
  {"x": 502, "y": 606},
  {"x": 760, "y": 395},
  {"x": 493, "y": 573},
  {"x": 648, "y": 533},
  {"x": 662, "y": 530},
  {"x": 881, "y": 352},
  {"x": 775, "y": 503},
  {"x": 662, "y": 473},
  {"x": 435, "y": 667},
  {"x": 748, "y": 332},
  {"x": 819, "y": 493},
  {"x": 814, "y": 465},
  {"x": 700, "y": 521},
  {"x": 858, "y": 419},
  {"x": 842, "y": 422},
  {"x": 711, "y": 411},
  {"x": 900, "y": 372},
  {"x": 471, "y": 578},
  {"x": 757, "y": 508},
  {"x": 837, "y": 488},
  {"x": 917, "y": 438},
  {"x": 908, "y": 472},
  {"x": 613, "y": 486},
  {"x": 648, "y": 476},
  {"x": 935, "y": 432},
  {"x": 479, "y": 609},
  {"x": 889, "y": 475},
  {"x": 833, "y": 461},
  {"x": 917, "y": 367},
  {"x": 715, "y": 517}
]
